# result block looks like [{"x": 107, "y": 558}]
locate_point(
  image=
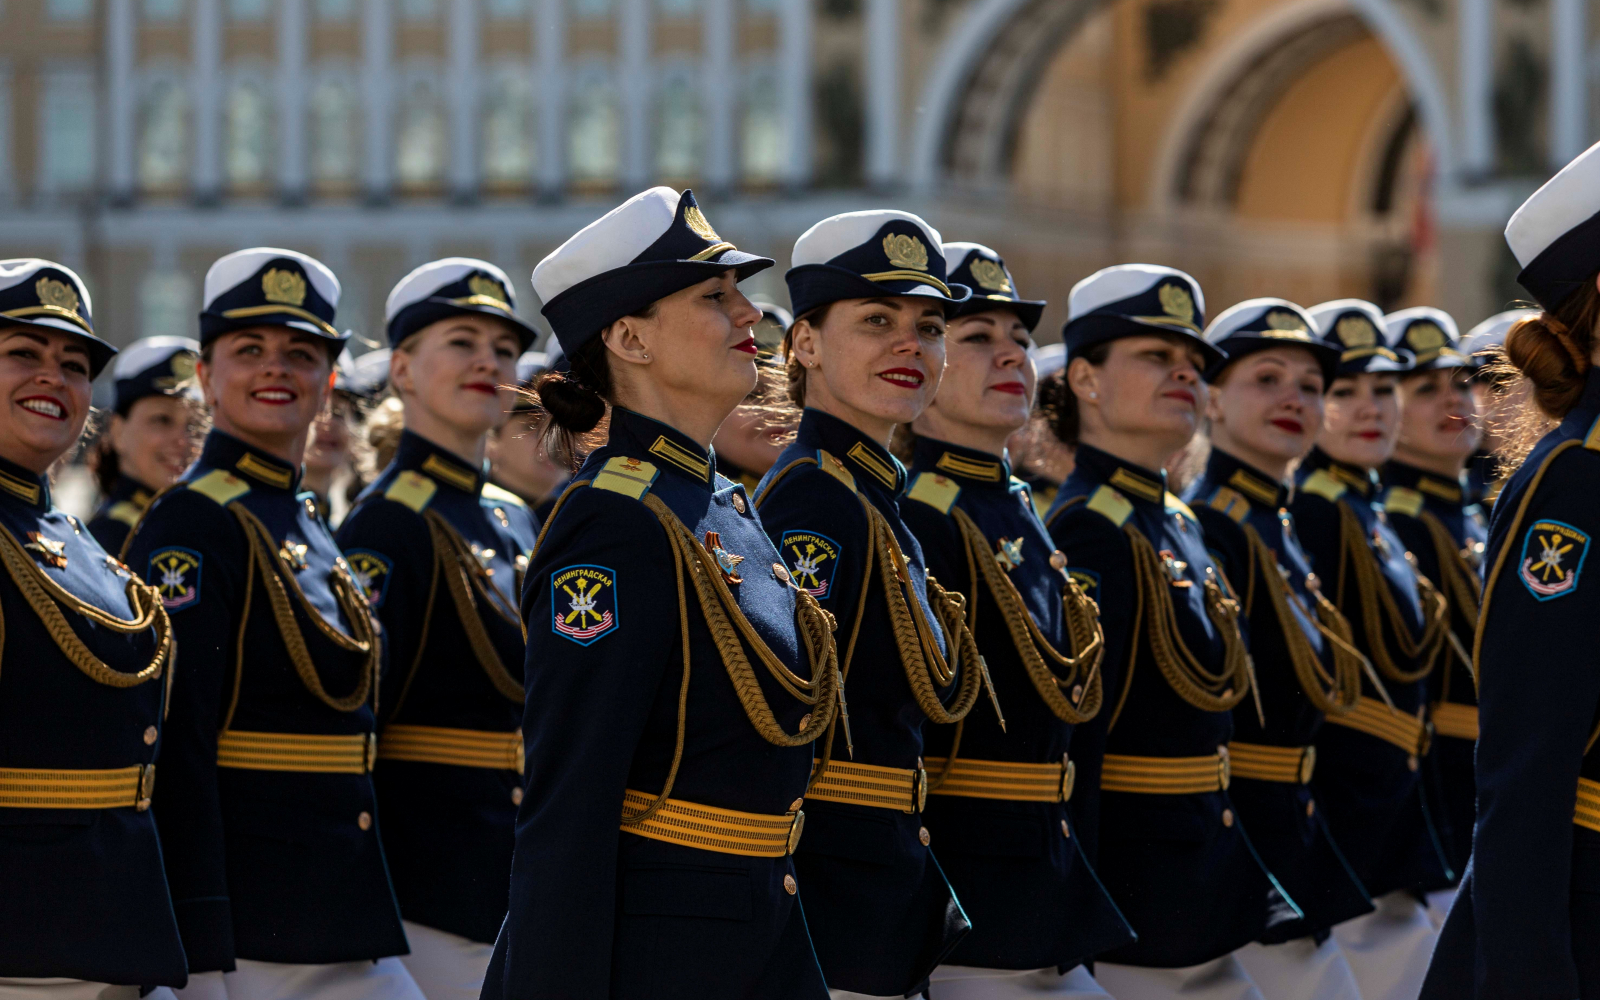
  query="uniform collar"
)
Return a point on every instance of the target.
[
  {"x": 663, "y": 446},
  {"x": 1222, "y": 469},
  {"x": 968, "y": 465},
  {"x": 134, "y": 492},
  {"x": 1436, "y": 488},
  {"x": 224, "y": 451},
  {"x": 1361, "y": 480},
  {"x": 20, "y": 485},
  {"x": 418, "y": 453},
  {"x": 867, "y": 460},
  {"x": 1135, "y": 482}
]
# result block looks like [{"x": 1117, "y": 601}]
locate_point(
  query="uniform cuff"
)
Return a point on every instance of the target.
[{"x": 206, "y": 926}]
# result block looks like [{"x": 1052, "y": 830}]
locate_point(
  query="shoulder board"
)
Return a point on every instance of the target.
[
  {"x": 632, "y": 477},
  {"x": 500, "y": 495},
  {"x": 413, "y": 489},
  {"x": 1231, "y": 503},
  {"x": 1319, "y": 483},
  {"x": 934, "y": 490},
  {"x": 221, "y": 486},
  {"x": 835, "y": 468},
  {"x": 1173, "y": 504},
  {"x": 125, "y": 512},
  {"x": 1402, "y": 500},
  {"x": 1111, "y": 505},
  {"x": 1592, "y": 440}
]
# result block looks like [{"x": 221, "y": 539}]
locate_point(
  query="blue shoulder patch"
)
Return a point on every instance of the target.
[
  {"x": 1552, "y": 557},
  {"x": 371, "y": 570},
  {"x": 584, "y": 601},
  {"x": 176, "y": 573},
  {"x": 811, "y": 559}
]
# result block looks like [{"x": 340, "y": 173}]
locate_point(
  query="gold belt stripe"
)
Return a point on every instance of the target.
[
  {"x": 726, "y": 831},
  {"x": 1587, "y": 812},
  {"x": 1164, "y": 775},
  {"x": 1451, "y": 719},
  {"x": 296, "y": 752},
  {"x": 1004, "y": 779},
  {"x": 39, "y": 788},
  {"x": 1287, "y": 765},
  {"x": 870, "y": 785},
  {"x": 461, "y": 747},
  {"x": 1375, "y": 718}
]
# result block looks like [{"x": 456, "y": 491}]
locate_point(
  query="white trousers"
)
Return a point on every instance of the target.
[
  {"x": 964, "y": 982},
  {"x": 72, "y": 989},
  {"x": 1439, "y": 906},
  {"x": 385, "y": 979},
  {"x": 1300, "y": 970},
  {"x": 446, "y": 966},
  {"x": 1389, "y": 948},
  {"x": 1219, "y": 979}
]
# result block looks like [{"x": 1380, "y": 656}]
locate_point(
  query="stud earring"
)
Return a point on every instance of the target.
[
  {"x": 1094, "y": 395},
  {"x": 647, "y": 357}
]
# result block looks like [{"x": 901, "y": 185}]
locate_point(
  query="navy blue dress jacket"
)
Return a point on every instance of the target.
[{"x": 119, "y": 512}]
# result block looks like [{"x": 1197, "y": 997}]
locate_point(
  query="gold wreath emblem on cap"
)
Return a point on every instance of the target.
[
  {"x": 990, "y": 275},
  {"x": 905, "y": 251},
  {"x": 284, "y": 287},
  {"x": 1279, "y": 319},
  {"x": 490, "y": 289},
  {"x": 1177, "y": 302},
  {"x": 55, "y": 293},
  {"x": 1356, "y": 331},
  {"x": 1426, "y": 336},
  {"x": 696, "y": 220}
]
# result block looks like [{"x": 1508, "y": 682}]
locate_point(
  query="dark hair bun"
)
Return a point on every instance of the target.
[
  {"x": 1059, "y": 405},
  {"x": 1545, "y": 351},
  {"x": 573, "y": 406}
]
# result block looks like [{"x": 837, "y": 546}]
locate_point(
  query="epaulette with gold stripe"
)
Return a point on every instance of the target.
[
  {"x": 265, "y": 471},
  {"x": 1139, "y": 486},
  {"x": 1443, "y": 489},
  {"x": 412, "y": 489},
  {"x": 1591, "y": 441},
  {"x": 938, "y": 492},
  {"x": 125, "y": 511},
  {"x": 1250, "y": 486},
  {"x": 498, "y": 494},
  {"x": 20, "y": 488},
  {"x": 1111, "y": 505},
  {"x": 1402, "y": 500},
  {"x": 970, "y": 467},
  {"x": 220, "y": 486},
  {"x": 1230, "y": 503},
  {"x": 1319, "y": 483},
  {"x": 449, "y": 472},
  {"x": 632, "y": 477}
]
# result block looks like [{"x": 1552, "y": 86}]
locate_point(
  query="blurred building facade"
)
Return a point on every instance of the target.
[{"x": 1303, "y": 148}]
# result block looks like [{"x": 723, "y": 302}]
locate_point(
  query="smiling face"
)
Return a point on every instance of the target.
[
  {"x": 1361, "y": 419},
  {"x": 265, "y": 385},
  {"x": 451, "y": 373},
  {"x": 44, "y": 377},
  {"x": 873, "y": 363},
  {"x": 1144, "y": 402},
  {"x": 155, "y": 441},
  {"x": 986, "y": 391},
  {"x": 1438, "y": 420},
  {"x": 1267, "y": 408}
]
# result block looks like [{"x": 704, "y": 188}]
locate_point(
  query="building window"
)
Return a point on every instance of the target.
[
  {"x": 678, "y": 8},
  {"x": 336, "y": 10},
  {"x": 163, "y": 135},
  {"x": 761, "y": 128},
  {"x": 507, "y": 133},
  {"x": 163, "y": 10},
  {"x": 762, "y": 6},
  {"x": 247, "y": 10},
  {"x": 506, "y": 9},
  {"x": 68, "y": 10},
  {"x": 335, "y": 133},
  {"x": 420, "y": 145},
  {"x": 592, "y": 128},
  {"x": 591, "y": 10},
  {"x": 67, "y": 128},
  {"x": 419, "y": 10},
  {"x": 166, "y": 304},
  {"x": 249, "y": 122},
  {"x": 678, "y": 127}
]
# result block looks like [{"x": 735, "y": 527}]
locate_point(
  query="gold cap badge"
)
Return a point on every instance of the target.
[
  {"x": 1177, "y": 302},
  {"x": 1356, "y": 331},
  {"x": 284, "y": 287},
  {"x": 905, "y": 251},
  {"x": 1426, "y": 336},
  {"x": 488, "y": 288},
  {"x": 990, "y": 275},
  {"x": 56, "y": 294},
  {"x": 696, "y": 220},
  {"x": 1279, "y": 319}
]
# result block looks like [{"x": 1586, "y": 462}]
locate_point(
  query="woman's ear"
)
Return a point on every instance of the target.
[
  {"x": 1214, "y": 404},
  {"x": 400, "y": 372},
  {"x": 1084, "y": 381},
  {"x": 202, "y": 378},
  {"x": 805, "y": 343},
  {"x": 626, "y": 339}
]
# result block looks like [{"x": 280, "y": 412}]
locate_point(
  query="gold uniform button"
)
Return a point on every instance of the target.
[
  {"x": 779, "y": 573},
  {"x": 1412, "y": 762},
  {"x": 1066, "y": 831},
  {"x": 738, "y": 502},
  {"x": 924, "y": 836},
  {"x": 789, "y": 885},
  {"x": 150, "y": 736},
  {"x": 516, "y": 796},
  {"x": 796, "y": 804},
  {"x": 364, "y": 820},
  {"x": 1227, "y": 817},
  {"x": 1311, "y": 807}
]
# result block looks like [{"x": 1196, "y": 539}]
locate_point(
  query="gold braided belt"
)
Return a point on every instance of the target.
[
  {"x": 726, "y": 831},
  {"x": 1005, "y": 779},
  {"x": 905, "y": 789},
  {"x": 1452, "y": 719},
  {"x": 1165, "y": 775},
  {"x": 1261, "y": 762},
  {"x": 296, "y": 752},
  {"x": 114, "y": 788},
  {"x": 1587, "y": 811},
  {"x": 498, "y": 751},
  {"x": 1373, "y": 717}
]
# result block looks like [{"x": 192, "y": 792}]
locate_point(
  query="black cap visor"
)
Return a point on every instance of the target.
[
  {"x": 814, "y": 285},
  {"x": 418, "y": 315},
  {"x": 1027, "y": 310},
  {"x": 1100, "y": 328},
  {"x": 100, "y": 352}
]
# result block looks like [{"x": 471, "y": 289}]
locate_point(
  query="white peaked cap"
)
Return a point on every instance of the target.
[
  {"x": 19, "y": 269},
  {"x": 229, "y": 271},
  {"x": 148, "y": 352},
  {"x": 1396, "y": 322},
  {"x": 607, "y": 243},
  {"x": 1241, "y": 313},
  {"x": 842, "y": 233},
  {"x": 1568, "y": 198},
  {"x": 1048, "y": 360},
  {"x": 1122, "y": 281},
  {"x": 1326, "y": 312},
  {"x": 434, "y": 275}
]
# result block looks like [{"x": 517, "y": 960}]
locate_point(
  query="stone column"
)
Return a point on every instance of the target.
[
  {"x": 462, "y": 91},
  {"x": 794, "y": 89},
  {"x": 719, "y": 85},
  {"x": 550, "y": 41},
  {"x": 377, "y": 42},
  {"x": 881, "y": 75},
  {"x": 206, "y": 97},
  {"x": 293, "y": 177},
  {"x": 1569, "y": 81},
  {"x": 122, "y": 98}
]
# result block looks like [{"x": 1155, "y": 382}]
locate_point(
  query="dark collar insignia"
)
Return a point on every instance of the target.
[
  {"x": 1254, "y": 487},
  {"x": 956, "y": 465},
  {"x": 268, "y": 473},
  {"x": 879, "y": 469},
  {"x": 1139, "y": 486},
  {"x": 682, "y": 457},
  {"x": 450, "y": 473},
  {"x": 1441, "y": 488}
]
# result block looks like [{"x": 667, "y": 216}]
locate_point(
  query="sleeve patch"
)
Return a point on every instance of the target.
[
  {"x": 1086, "y": 579},
  {"x": 176, "y": 573},
  {"x": 934, "y": 490},
  {"x": 1552, "y": 557},
  {"x": 583, "y": 600},
  {"x": 811, "y": 559},
  {"x": 371, "y": 570}
]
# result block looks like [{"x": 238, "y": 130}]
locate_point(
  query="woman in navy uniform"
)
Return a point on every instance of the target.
[
  {"x": 151, "y": 437},
  {"x": 1367, "y": 782},
  {"x": 675, "y": 678},
  {"x": 1496, "y": 392},
  {"x": 85, "y": 675},
  {"x": 1427, "y": 500},
  {"x": 442, "y": 553},
  {"x": 1000, "y": 799},
  {"x": 1169, "y": 845},
  {"x": 865, "y": 353},
  {"x": 268, "y": 815},
  {"x": 1264, "y": 412},
  {"x": 1526, "y": 919}
]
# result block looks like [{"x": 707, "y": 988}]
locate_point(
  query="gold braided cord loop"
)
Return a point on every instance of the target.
[
  {"x": 278, "y": 581},
  {"x": 1326, "y": 693},
  {"x": 1205, "y": 690},
  {"x": 46, "y": 597},
  {"x": 463, "y": 574},
  {"x": 1457, "y": 580},
  {"x": 1083, "y": 628},
  {"x": 1378, "y": 606},
  {"x": 709, "y": 828}
]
